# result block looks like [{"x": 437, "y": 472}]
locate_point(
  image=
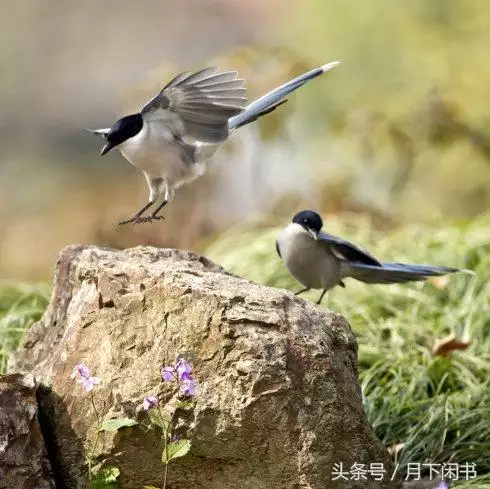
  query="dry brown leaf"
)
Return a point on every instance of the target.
[
  {"x": 440, "y": 282},
  {"x": 442, "y": 347}
]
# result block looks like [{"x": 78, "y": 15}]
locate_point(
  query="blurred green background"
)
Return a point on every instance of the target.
[{"x": 392, "y": 147}]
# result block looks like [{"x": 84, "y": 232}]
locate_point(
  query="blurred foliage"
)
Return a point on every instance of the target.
[
  {"x": 20, "y": 306},
  {"x": 398, "y": 130},
  {"x": 393, "y": 51},
  {"x": 438, "y": 407},
  {"x": 411, "y": 132}
]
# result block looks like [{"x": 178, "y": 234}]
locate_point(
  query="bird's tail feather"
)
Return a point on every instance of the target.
[
  {"x": 391, "y": 273},
  {"x": 270, "y": 101}
]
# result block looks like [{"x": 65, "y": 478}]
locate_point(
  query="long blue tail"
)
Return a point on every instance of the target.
[
  {"x": 391, "y": 273},
  {"x": 270, "y": 101}
]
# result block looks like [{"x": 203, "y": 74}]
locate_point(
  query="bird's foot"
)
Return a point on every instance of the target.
[
  {"x": 139, "y": 219},
  {"x": 154, "y": 217}
]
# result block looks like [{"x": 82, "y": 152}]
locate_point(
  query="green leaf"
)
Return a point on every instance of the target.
[
  {"x": 157, "y": 419},
  {"x": 150, "y": 487},
  {"x": 184, "y": 405},
  {"x": 106, "y": 478},
  {"x": 175, "y": 450},
  {"x": 117, "y": 424}
]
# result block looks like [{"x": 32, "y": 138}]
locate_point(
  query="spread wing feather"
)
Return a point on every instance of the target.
[{"x": 203, "y": 102}]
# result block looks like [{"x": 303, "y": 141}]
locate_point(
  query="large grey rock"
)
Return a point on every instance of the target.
[
  {"x": 279, "y": 401},
  {"x": 23, "y": 461}
]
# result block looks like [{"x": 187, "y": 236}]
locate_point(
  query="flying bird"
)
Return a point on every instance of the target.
[
  {"x": 321, "y": 261},
  {"x": 179, "y": 129}
]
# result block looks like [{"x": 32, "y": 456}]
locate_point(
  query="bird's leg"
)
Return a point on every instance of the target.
[
  {"x": 154, "y": 214},
  {"x": 155, "y": 185},
  {"x": 306, "y": 289},
  {"x": 321, "y": 297},
  {"x": 137, "y": 217},
  {"x": 169, "y": 195}
]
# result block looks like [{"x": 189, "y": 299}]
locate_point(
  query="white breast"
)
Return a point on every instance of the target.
[
  {"x": 154, "y": 151},
  {"x": 308, "y": 260}
]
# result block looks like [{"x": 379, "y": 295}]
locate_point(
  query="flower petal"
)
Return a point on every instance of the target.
[
  {"x": 183, "y": 368},
  {"x": 149, "y": 402},
  {"x": 87, "y": 385},
  {"x": 442, "y": 485},
  {"x": 168, "y": 373},
  {"x": 188, "y": 388},
  {"x": 80, "y": 370},
  {"x": 186, "y": 377}
]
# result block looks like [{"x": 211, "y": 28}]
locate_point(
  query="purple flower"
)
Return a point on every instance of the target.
[
  {"x": 175, "y": 438},
  {"x": 182, "y": 374},
  {"x": 183, "y": 370},
  {"x": 442, "y": 485},
  {"x": 168, "y": 373},
  {"x": 149, "y": 402},
  {"x": 80, "y": 370},
  {"x": 85, "y": 379},
  {"x": 90, "y": 383},
  {"x": 188, "y": 387}
]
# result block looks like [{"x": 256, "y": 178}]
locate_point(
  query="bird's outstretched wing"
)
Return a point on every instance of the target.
[
  {"x": 201, "y": 103},
  {"x": 347, "y": 251}
]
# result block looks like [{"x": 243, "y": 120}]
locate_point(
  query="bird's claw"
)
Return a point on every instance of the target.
[
  {"x": 151, "y": 218},
  {"x": 140, "y": 220}
]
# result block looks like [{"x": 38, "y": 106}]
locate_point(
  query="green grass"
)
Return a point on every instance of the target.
[
  {"x": 20, "y": 306},
  {"x": 438, "y": 407}
]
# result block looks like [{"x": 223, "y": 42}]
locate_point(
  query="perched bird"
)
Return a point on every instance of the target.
[
  {"x": 321, "y": 261},
  {"x": 180, "y": 128}
]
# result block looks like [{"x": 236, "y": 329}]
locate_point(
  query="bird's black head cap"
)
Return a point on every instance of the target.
[
  {"x": 309, "y": 220},
  {"x": 123, "y": 129}
]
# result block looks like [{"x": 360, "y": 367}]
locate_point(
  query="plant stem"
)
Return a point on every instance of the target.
[
  {"x": 165, "y": 477},
  {"x": 97, "y": 435},
  {"x": 165, "y": 441}
]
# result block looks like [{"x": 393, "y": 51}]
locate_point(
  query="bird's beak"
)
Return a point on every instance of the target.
[
  {"x": 313, "y": 234},
  {"x": 107, "y": 147}
]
